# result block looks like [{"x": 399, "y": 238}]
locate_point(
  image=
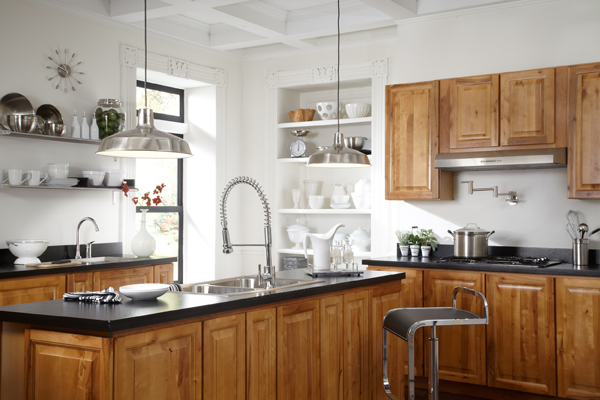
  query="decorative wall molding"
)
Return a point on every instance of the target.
[
  {"x": 272, "y": 80},
  {"x": 379, "y": 68},
  {"x": 220, "y": 78},
  {"x": 129, "y": 56},
  {"x": 178, "y": 68},
  {"x": 324, "y": 74}
]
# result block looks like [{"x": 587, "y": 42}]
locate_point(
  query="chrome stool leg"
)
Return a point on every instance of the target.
[
  {"x": 386, "y": 380},
  {"x": 434, "y": 373}
]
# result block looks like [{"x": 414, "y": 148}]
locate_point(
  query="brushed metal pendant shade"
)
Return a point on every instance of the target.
[{"x": 144, "y": 141}]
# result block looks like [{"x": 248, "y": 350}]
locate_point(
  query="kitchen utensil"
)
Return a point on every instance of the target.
[
  {"x": 25, "y": 123},
  {"x": 361, "y": 201},
  {"x": 311, "y": 188},
  {"x": 316, "y": 202},
  {"x": 54, "y": 129},
  {"x": 573, "y": 219},
  {"x": 301, "y": 115},
  {"x": 37, "y": 178},
  {"x": 328, "y": 109},
  {"x": 340, "y": 199},
  {"x": 95, "y": 177},
  {"x": 296, "y": 198},
  {"x": 58, "y": 170},
  {"x": 594, "y": 231},
  {"x": 144, "y": 291},
  {"x": 16, "y": 104},
  {"x": 361, "y": 240},
  {"x": 15, "y": 177},
  {"x": 358, "y": 110},
  {"x": 471, "y": 241},
  {"x": 340, "y": 205},
  {"x": 581, "y": 251},
  {"x": 53, "y": 264},
  {"x": 569, "y": 230},
  {"x": 296, "y": 234},
  {"x": 113, "y": 177},
  {"x": 27, "y": 251},
  {"x": 320, "y": 246},
  {"x": 299, "y": 132},
  {"x": 341, "y": 189},
  {"x": 355, "y": 142},
  {"x": 362, "y": 186},
  {"x": 49, "y": 114},
  {"x": 582, "y": 230}
]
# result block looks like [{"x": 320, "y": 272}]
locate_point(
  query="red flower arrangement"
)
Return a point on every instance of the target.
[{"x": 146, "y": 197}]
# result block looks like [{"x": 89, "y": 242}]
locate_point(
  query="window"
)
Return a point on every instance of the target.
[{"x": 165, "y": 221}]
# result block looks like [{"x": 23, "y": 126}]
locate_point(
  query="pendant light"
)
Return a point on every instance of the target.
[
  {"x": 338, "y": 155},
  {"x": 144, "y": 141}
]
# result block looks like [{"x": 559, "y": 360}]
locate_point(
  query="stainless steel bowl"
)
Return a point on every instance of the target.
[
  {"x": 20, "y": 123},
  {"x": 355, "y": 142},
  {"x": 49, "y": 113},
  {"x": 16, "y": 104},
  {"x": 52, "y": 129}
]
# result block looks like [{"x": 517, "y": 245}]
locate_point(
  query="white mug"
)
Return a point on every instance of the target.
[
  {"x": 35, "y": 178},
  {"x": 15, "y": 177}
]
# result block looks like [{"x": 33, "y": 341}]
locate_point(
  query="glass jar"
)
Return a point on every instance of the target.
[{"x": 110, "y": 117}]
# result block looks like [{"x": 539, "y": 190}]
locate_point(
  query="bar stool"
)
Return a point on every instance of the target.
[{"x": 404, "y": 322}]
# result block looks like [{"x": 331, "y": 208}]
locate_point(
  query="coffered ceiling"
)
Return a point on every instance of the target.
[{"x": 249, "y": 28}]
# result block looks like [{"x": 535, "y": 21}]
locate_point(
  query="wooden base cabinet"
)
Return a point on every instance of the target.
[
  {"x": 31, "y": 290},
  {"x": 578, "y": 337},
  {"x": 521, "y": 335},
  {"x": 261, "y": 355}
]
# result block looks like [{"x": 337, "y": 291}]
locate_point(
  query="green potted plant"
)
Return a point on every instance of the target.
[
  {"x": 403, "y": 242},
  {"x": 415, "y": 245},
  {"x": 428, "y": 241}
]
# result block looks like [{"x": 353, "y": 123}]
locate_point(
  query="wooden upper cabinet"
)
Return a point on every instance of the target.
[
  {"x": 527, "y": 107},
  {"x": 584, "y": 131},
  {"x": 469, "y": 112},
  {"x": 411, "y": 144}
]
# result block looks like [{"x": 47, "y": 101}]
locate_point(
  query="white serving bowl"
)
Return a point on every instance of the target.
[
  {"x": 316, "y": 202},
  {"x": 362, "y": 201},
  {"x": 328, "y": 109},
  {"x": 114, "y": 177},
  {"x": 340, "y": 199},
  {"x": 358, "y": 110},
  {"x": 95, "y": 177},
  {"x": 27, "y": 251},
  {"x": 144, "y": 291}
]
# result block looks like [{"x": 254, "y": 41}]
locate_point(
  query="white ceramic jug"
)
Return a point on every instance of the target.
[
  {"x": 363, "y": 186},
  {"x": 341, "y": 189},
  {"x": 320, "y": 245}
]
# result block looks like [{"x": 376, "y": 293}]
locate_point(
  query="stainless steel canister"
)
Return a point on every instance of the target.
[
  {"x": 581, "y": 251},
  {"x": 471, "y": 241}
]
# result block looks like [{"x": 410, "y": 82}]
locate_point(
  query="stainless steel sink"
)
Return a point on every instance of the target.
[{"x": 242, "y": 285}]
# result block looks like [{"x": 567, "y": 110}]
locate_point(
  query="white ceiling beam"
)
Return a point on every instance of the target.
[
  {"x": 257, "y": 16},
  {"x": 235, "y": 39},
  {"x": 395, "y": 9},
  {"x": 97, "y": 7},
  {"x": 130, "y": 12},
  {"x": 438, "y": 6},
  {"x": 173, "y": 29}
]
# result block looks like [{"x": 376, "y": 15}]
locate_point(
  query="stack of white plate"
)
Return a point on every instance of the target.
[{"x": 62, "y": 182}]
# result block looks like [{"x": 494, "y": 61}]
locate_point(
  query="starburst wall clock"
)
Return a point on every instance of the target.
[{"x": 64, "y": 67}]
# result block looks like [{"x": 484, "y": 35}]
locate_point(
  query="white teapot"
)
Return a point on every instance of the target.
[{"x": 363, "y": 186}]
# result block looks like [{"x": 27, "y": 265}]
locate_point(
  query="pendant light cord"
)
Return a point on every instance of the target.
[
  {"x": 146, "y": 57},
  {"x": 338, "y": 66}
]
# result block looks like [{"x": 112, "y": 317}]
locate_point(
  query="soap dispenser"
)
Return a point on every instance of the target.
[
  {"x": 75, "y": 129},
  {"x": 85, "y": 128}
]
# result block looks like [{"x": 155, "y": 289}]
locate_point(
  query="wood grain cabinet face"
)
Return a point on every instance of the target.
[
  {"x": 584, "y": 131},
  {"x": 160, "y": 364},
  {"x": 461, "y": 348},
  {"x": 521, "y": 334},
  {"x": 298, "y": 368},
  {"x": 356, "y": 346},
  {"x": 120, "y": 277},
  {"x": 527, "y": 107},
  {"x": 261, "y": 354},
  {"x": 31, "y": 290},
  {"x": 578, "y": 337},
  {"x": 80, "y": 282},
  {"x": 66, "y": 366},
  {"x": 332, "y": 345},
  {"x": 469, "y": 112},
  {"x": 163, "y": 273},
  {"x": 411, "y": 144}
]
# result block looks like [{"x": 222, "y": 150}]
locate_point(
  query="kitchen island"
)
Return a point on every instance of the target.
[{"x": 321, "y": 340}]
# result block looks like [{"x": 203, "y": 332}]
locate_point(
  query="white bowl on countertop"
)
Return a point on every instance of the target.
[
  {"x": 95, "y": 177},
  {"x": 144, "y": 291}
]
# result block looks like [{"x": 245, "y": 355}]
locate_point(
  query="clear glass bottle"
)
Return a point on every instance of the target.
[
  {"x": 110, "y": 117},
  {"x": 336, "y": 255},
  {"x": 347, "y": 254}
]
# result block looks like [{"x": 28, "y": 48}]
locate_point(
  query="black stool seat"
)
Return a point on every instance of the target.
[{"x": 399, "y": 321}]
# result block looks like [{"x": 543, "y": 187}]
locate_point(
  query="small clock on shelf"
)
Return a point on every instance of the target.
[{"x": 298, "y": 148}]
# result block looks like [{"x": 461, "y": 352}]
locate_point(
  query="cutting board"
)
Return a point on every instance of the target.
[{"x": 50, "y": 265}]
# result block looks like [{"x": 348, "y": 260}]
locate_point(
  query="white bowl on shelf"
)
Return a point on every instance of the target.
[
  {"x": 95, "y": 177},
  {"x": 144, "y": 291},
  {"x": 27, "y": 251},
  {"x": 362, "y": 201},
  {"x": 358, "y": 110}
]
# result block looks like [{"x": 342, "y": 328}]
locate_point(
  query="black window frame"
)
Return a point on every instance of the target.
[{"x": 168, "y": 89}]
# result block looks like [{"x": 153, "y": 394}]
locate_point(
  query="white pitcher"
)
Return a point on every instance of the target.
[
  {"x": 363, "y": 186},
  {"x": 341, "y": 189},
  {"x": 320, "y": 245}
]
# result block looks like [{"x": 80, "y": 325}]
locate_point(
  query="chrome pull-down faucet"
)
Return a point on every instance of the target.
[
  {"x": 266, "y": 278},
  {"x": 77, "y": 253}
]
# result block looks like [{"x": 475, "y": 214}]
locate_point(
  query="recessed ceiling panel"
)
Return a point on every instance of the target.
[{"x": 295, "y": 5}]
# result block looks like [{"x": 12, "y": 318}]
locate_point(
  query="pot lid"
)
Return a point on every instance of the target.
[
  {"x": 297, "y": 227},
  {"x": 360, "y": 233},
  {"x": 471, "y": 228}
]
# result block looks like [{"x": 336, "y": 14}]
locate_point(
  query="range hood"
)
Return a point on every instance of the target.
[{"x": 503, "y": 159}]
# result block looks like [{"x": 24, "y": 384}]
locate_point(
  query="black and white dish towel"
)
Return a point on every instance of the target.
[
  {"x": 106, "y": 296},
  {"x": 175, "y": 287}
]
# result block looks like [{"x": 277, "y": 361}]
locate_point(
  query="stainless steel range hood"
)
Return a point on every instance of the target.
[{"x": 503, "y": 159}]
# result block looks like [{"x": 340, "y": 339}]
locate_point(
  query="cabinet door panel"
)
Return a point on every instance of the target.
[
  {"x": 461, "y": 348},
  {"x": 80, "y": 282},
  {"x": 31, "y": 290},
  {"x": 578, "y": 337},
  {"x": 527, "y": 107},
  {"x": 66, "y": 366},
  {"x": 412, "y": 143},
  {"x": 225, "y": 358},
  {"x": 331, "y": 314},
  {"x": 521, "y": 333},
  {"x": 298, "y": 367},
  {"x": 121, "y": 277},
  {"x": 161, "y": 364},
  {"x": 356, "y": 345},
  {"x": 163, "y": 273},
  {"x": 261, "y": 354},
  {"x": 469, "y": 112},
  {"x": 584, "y": 136}
]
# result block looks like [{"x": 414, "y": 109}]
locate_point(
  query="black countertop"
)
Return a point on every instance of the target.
[
  {"x": 110, "y": 318},
  {"x": 430, "y": 263}
]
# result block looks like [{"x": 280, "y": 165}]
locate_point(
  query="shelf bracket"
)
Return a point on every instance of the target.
[{"x": 511, "y": 199}]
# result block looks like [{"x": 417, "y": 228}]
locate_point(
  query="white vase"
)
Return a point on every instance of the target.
[
  {"x": 143, "y": 244},
  {"x": 404, "y": 250},
  {"x": 414, "y": 250},
  {"x": 425, "y": 250}
]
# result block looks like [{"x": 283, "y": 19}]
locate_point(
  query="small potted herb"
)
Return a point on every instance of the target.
[
  {"x": 403, "y": 242},
  {"x": 428, "y": 241},
  {"x": 415, "y": 245}
]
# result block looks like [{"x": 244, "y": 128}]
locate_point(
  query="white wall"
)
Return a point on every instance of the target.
[{"x": 31, "y": 33}]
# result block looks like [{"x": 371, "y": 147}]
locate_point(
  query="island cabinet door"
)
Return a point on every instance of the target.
[
  {"x": 225, "y": 358},
  {"x": 298, "y": 367},
  {"x": 461, "y": 348},
  {"x": 521, "y": 334},
  {"x": 578, "y": 337},
  {"x": 161, "y": 364},
  {"x": 332, "y": 344},
  {"x": 356, "y": 346},
  {"x": 31, "y": 290},
  {"x": 261, "y": 354},
  {"x": 120, "y": 277},
  {"x": 67, "y": 366}
]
